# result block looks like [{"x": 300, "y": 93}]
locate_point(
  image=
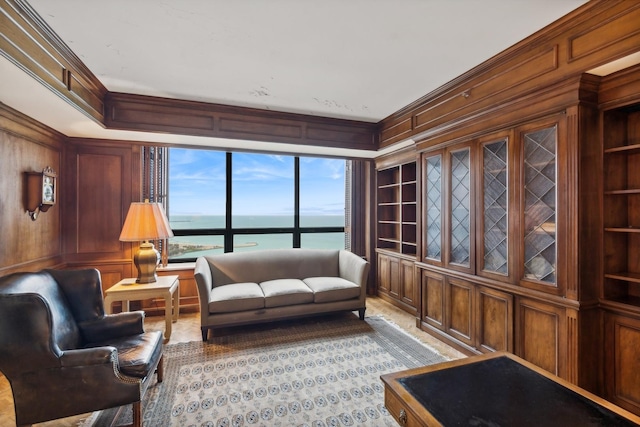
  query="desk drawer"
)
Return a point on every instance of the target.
[{"x": 400, "y": 411}]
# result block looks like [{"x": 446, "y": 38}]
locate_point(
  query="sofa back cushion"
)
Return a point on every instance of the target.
[{"x": 263, "y": 265}]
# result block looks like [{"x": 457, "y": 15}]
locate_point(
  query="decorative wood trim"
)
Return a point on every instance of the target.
[
  {"x": 618, "y": 34},
  {"x": 559, "y": 52},
  {"x": 29, "y": 43},
  {"x": 399, "y": 130},
  {"x": 572, "y": 357},
  {"x": 145, "y": 113},
  {"x": 405, "y": 155},
  {"x": 490, "y": 84},
  {"x": 621, "y": 88}
]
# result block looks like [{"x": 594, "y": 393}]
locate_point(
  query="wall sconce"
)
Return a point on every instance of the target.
[{"x": 41, "y": 191}]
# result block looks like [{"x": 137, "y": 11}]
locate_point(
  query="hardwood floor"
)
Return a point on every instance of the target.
[{"x": 188, "y": 329}]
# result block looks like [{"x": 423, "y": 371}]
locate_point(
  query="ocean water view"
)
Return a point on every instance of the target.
[{"x": 182, "y": 247}]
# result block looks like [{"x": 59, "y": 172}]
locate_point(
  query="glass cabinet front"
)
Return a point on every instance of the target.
[{"x": 539, "y": 161}]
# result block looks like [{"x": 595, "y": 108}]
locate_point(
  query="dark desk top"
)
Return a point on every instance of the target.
[{"x": 502, "y": 392}]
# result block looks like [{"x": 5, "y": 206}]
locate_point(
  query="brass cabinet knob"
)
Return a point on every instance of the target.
[{"x": 402, "y": 418}]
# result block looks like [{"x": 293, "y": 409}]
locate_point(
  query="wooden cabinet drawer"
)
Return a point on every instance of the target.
[{"x": 400, "y": 411}]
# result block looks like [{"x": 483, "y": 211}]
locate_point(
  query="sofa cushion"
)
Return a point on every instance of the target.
[
  {"x": 328, "y": 289},
  {"x": 236, "y": 297},
  {"x": 280, "y": 292}
]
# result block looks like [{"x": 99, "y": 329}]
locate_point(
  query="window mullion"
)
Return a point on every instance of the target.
[
  {"x": 296, "y": 203},
  {"x": 228, "y": 234}
]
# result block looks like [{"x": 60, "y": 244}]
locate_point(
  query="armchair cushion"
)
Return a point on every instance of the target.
[{"x": 137, "y": 355}]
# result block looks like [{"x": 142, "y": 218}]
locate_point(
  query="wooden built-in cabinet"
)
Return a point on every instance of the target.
[
  {"x": 396, "y": 280},
  {"x": 396, "y": 200},
  {"x": 528, "y": 234},
  {"x": 622, "y": 355},
  {"x": 396, "y": 234},
  {"x": 476, "y": 318},
  {"x": 621, "y": 130},
  {"x": 499, "y": 236},
  {"x": 620, "y": 291}
]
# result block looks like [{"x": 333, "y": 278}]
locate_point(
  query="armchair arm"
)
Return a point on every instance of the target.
[
  {"x": 113, "y": 326},
  {"x": 88, "y": 356}
]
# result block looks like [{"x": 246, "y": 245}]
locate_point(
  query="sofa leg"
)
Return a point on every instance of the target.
[
  {"x": 160, "y": 370},
  {"x": 361, "y": 313},
  {"x": 204, "y": 334}
]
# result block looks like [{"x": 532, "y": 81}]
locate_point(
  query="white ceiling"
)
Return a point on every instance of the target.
[{"x": 354, "y": 59}]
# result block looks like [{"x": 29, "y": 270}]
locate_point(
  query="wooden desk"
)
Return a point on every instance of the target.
[
  {"x": 167, "y": 287},
  {"x": 496, "y": 389}
]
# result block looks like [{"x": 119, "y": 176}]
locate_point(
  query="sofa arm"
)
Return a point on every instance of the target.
[
  {"x": 204, "y": 282},
  {"x": 353, "y": 268}
]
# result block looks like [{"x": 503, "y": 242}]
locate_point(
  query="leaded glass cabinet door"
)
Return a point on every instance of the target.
[
  {"x": 460, "y": 242},
  {"x": 540, "y": 201},
  {"x": 494, "y": 249},
  {"x": 433, "y": 208}
]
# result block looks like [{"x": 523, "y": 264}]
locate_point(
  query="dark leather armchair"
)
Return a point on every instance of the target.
[{"x": 63, "y": 356}]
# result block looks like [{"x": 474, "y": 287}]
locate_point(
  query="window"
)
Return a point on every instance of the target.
[{"x": 223, "y": 202}]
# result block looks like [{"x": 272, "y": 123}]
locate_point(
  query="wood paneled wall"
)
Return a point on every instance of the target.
[
  {"x": 593, "y": 35},
  {"x": 27, "y": 146},
  {"x": 146, "y": 113}
]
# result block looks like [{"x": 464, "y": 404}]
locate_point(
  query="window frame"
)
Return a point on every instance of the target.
[{"x": 229, "y": 232}]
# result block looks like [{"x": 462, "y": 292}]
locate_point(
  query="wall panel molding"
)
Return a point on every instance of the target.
[
  {"x": 595, "y": 34},
  {"x": 29, "y": 43},
  {"x": 153, "y": 114}
]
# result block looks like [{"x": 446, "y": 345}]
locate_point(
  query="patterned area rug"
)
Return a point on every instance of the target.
[{"x": 322, "y": 371}]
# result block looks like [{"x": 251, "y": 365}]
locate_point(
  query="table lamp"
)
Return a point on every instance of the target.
[{"x": 145, "y": 221}]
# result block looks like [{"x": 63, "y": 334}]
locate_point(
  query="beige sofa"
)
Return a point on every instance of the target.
[{"x": 240, "y": 288}]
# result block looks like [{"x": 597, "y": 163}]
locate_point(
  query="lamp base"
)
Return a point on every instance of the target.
[{"x": 146, "y": 260}]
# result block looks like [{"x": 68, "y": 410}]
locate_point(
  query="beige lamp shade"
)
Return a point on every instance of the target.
[{"x": 145, "y": 221}]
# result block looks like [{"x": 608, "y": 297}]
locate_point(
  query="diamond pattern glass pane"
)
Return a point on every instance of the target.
[
  {"x": 460, "y": 211},
  {"x": 540, "y": 205},
  {"x": 434, "y": 207},
  {"x": 495, "y": 207}
]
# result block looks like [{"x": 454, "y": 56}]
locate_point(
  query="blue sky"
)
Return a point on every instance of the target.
[{"x": 262, "y": 184}]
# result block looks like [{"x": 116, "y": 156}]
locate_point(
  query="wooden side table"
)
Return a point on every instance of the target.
[{"x": 166, "y": 287}]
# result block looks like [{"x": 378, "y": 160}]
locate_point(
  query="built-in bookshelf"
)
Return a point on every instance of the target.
[
  {"x": 397, "y": 206},
  {"x": 621, "y": 207}
]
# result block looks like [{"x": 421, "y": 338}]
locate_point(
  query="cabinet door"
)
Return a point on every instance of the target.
[
  {"x": 540, "y": 333},
  {"x": 389, "y": 275},
  {"x": 408, "y": 289},
  {"x": 432, "y": 209},
  {"x": 494, "y": 215},
  {"x": 460, "y": 242},
  {"x": 622, "y": 376},
  {"x": 459, "y": 310},
  {"x": 494, "y": 320},
  {"x": 539, "y": 200},
  {"x": 384, "y": 273},
  {"x": 432, "y": 311},
  {"x": 394, "y": 277}
]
